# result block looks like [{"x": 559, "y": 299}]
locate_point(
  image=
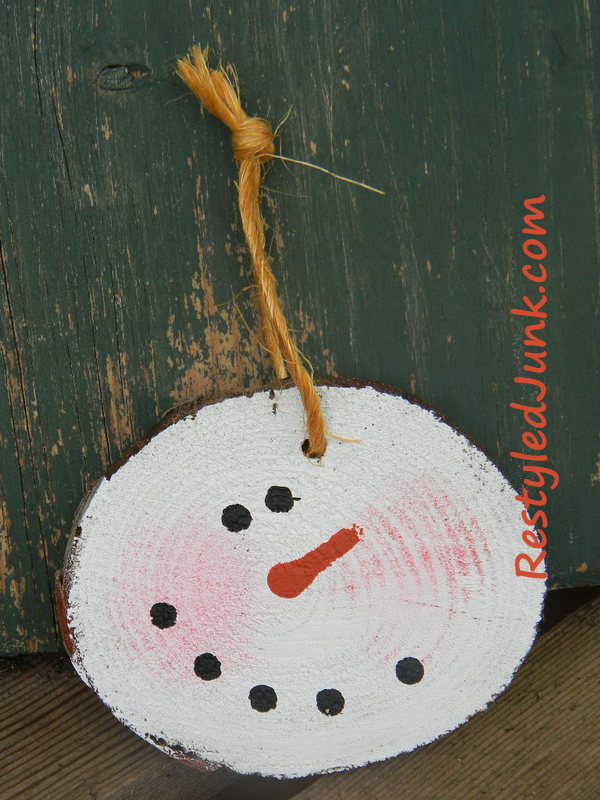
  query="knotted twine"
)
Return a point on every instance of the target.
[{"x": 253, "y": 146}]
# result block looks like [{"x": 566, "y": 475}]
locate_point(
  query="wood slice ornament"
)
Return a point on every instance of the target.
[{"x": 238, "y": 603}]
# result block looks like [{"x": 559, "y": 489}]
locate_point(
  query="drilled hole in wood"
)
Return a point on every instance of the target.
[
  {"x": 120, "y": 77},
  {"x": 305, "y": 447}
]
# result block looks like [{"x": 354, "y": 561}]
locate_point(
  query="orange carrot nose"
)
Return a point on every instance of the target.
[{"x": 290, "y": 578}]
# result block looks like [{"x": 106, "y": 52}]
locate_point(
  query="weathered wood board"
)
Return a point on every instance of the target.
[{"x": 121, "y": 249}]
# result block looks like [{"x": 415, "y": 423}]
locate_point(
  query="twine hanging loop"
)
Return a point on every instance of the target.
[
  {"x": 252, "y": 138},
  {"x": 252, "y": 143}
]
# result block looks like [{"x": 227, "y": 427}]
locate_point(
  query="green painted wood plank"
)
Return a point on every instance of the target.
[{"x": 121, "y": 247}]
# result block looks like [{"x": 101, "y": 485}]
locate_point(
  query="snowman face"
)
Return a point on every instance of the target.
[{"x": 231, "y": 599}]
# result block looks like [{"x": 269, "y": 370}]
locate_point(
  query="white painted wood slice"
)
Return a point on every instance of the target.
[{"x": 233, "y": 601}]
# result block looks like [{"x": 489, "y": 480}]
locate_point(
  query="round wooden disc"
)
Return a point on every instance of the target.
[{"x": 231, "y": 600}]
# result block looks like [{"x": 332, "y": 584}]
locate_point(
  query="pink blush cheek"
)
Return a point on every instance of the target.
[
  {"x": 449, "y": 542},
  {"x": 206, "y": 578},
  {"x": 450, "y": 554}
]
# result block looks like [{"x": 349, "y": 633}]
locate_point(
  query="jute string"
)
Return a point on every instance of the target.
[{"x": 253, "y": 146}]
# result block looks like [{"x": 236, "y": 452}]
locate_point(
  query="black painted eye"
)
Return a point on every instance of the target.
[
  {"x": 207, "y": 667},
  {"x": 163, "y": 615},
  {"x": 279, "y": 498},
  {"x": 236, "y": 518},
  {"x": 330, "y": 702},
  {"x": 262, "y": 698},
  {"x": 409, "y": 670}
]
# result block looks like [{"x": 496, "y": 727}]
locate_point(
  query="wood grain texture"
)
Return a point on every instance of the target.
[
  {"x": 121, "y": 246},
  {"x": 59, "y": 742},
  {"x": 45, "y": 697},
  {"x": 540, "y": 739}
]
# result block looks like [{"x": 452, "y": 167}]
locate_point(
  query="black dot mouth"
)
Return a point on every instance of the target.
[
  {"x": 330, "y": 702},
  {"x": 207, "y": 666},
  {"x": 262, "y": 698},
  {"x": 409, "y": 670},
  {"x": 163, "y": 615}
]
